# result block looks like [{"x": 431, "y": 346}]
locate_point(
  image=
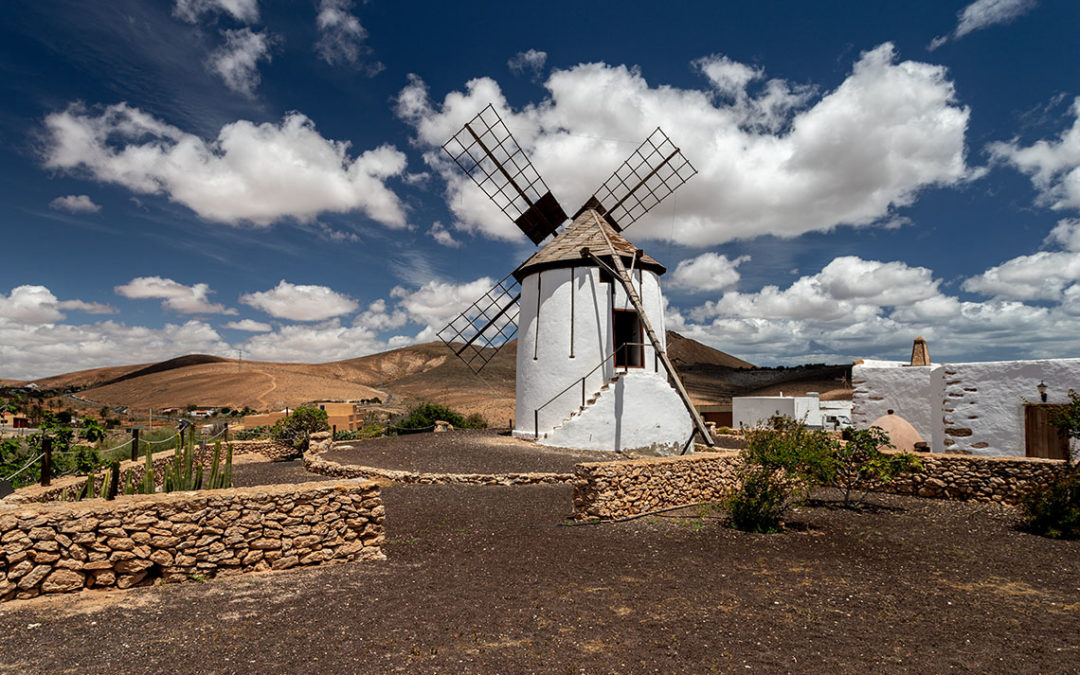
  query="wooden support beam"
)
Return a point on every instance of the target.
[{"x": 635, "y": 300}]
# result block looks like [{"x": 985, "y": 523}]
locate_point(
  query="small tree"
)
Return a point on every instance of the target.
[
  {"x": 92, "y": 431},
  {"x": 295, "y": 429},
  {"x": 779, "y": 467},
  {"x": 857, "y": 466}
]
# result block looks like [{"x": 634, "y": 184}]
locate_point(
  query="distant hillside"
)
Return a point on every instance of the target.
[{"x": 425, "y": 372}]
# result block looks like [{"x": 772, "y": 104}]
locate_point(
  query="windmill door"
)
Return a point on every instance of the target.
[
  {"x": 629, "y": 348},
  {"x": 1041, "y": 439}
]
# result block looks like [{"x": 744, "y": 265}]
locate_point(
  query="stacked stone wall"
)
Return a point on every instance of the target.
[
  {"x": 611, "y": 490},
  {"x": 970, "y": 477},
  {"x": 63, "y": 547}
]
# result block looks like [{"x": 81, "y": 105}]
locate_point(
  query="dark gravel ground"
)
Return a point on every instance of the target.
[
  {"x": 463, "y": 451},
  {"x": 488, "y": 579},
  {"x": 272, "y": 473}
]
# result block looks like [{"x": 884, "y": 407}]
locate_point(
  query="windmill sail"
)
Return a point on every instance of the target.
[
  {"x": 478, "y": 333},
  {"x": 486, "y": 150},
  {"x": 655, "y": 170}
]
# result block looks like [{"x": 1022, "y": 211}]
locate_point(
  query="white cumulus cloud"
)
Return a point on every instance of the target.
[
  {"x": 33, "y": 304},
  {"x": 707, "y": 272},
  {"x": 299, "y": 302},
  {"x": 74, "y": 204},
  {"x": 249, "y": 326},
  {"x": 1053, "y": 166},
  {"x": 251, "y": 173},
  {"x": 237, "y": 61},
  {"x": 173, "y": 295},
  {"x": 769, "y": 160},
  {"x": 442, "y": 235}
]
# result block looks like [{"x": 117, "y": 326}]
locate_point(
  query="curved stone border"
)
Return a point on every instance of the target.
[{"x": 316, "y": 464}]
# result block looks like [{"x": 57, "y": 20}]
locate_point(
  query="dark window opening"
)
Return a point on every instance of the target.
[{"x": 629, "y": 351}]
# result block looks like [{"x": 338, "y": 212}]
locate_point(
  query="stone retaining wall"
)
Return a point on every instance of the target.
[
  {"x": 316, "y": 464},
  {"x": 610, "y": 490},
  {"x": 67, "y": 546},
  {"x": 969, "y": 477},
  {"x": 67, "y": 488}
]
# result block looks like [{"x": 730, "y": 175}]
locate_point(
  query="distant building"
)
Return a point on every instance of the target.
[
  {"x": 756, "y": 411},
  {"x": 345, "y": 415}
]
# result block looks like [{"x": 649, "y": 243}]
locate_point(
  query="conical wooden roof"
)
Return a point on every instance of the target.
[{"x": 565, "y": 249}]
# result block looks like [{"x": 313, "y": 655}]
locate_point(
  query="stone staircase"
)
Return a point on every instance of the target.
[{"x": 589, "y": 402}]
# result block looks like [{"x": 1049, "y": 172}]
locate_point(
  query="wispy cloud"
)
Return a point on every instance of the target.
[
  {"x": 237, "y": 61},
  {"x": 982, "y": 14},
  {"x": 174, "y": 295},
  {"x": 342, "y": 37}
]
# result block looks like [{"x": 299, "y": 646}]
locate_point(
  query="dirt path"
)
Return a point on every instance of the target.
[{"x": 487, "y": 579}]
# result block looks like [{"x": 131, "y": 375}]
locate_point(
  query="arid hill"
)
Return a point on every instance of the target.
[{"x": 426, "y": 372}]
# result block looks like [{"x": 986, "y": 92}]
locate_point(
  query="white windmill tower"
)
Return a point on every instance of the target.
[{"x": 592, "y": 372}]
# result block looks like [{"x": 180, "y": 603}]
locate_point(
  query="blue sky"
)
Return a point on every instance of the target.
[{"x": 184, "y": 176}]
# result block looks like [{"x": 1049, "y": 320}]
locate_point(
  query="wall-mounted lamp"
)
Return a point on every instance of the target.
[{"x": 1042, "y": 390}]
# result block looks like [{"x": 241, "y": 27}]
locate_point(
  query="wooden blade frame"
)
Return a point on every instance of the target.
[
  {"x": 478, "y": 333},
  {"x": 655, "y": 170},
  {"x": 489, "y": 154}
]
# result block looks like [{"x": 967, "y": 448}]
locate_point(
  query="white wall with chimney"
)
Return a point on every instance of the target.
[{"x": 970, "y": 408}]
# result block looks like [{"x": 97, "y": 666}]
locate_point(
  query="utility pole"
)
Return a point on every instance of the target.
[{"x": 239, "y": 360}]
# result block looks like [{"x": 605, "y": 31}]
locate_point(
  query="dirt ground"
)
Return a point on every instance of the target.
[
  {"x": 491, "y": 579},
  {"x": 463, "y": 451}
]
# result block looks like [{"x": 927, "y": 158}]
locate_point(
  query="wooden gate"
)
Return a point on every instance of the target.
[{"x": 1041, "y": 439}]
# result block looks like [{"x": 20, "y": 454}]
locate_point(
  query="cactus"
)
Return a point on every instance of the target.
[
  {"x": 129, "y": 489},
  {"x": 114, "y": 480},
  {"x": 148, "y": 477},
  {"x": 198, "y": 477},
  {"x": 90, "y": 480},
  {"x": 227, "y": 482}
]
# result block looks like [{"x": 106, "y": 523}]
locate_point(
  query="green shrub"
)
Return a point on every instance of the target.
[
  {"x": 779, "y": 467},
  {"x": 423, "y": 417},
  {"x": 857, "y": 465},
  {"x": 1053, "y": 510},
  {"x": 294, "y": 429}
]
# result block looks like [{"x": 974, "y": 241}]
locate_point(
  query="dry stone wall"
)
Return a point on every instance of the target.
[
  {"x": 974, "y": 478},
  {"x": 610, "y": 490},
  {"x": 67, "y": 546}
]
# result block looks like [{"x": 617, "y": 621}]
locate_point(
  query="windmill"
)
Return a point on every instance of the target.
[{"x": 591, "y": 370}]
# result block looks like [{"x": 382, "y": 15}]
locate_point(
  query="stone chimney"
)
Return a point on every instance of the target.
[{"x": 920, "y": 355}]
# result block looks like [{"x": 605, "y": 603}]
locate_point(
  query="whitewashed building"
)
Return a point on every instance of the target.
[{"x": 993, "y": 408}]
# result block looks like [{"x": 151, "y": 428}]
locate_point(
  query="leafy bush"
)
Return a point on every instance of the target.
[
  {"x": 1054, "y": 510},
  {"x": 424, "y": 416},
  {"x": 779, "y": 467},
  {"x": 857, "y": 465},
  {"x": 294, "y": 430}
]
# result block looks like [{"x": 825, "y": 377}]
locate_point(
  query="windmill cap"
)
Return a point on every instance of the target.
[{"x": 565, "y": 250}]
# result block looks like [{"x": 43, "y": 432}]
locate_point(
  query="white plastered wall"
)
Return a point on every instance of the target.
[
  {"x": 983, "y": 409},
  {"x": 573, "y": 301},
  {"x": 881, "y": 386},
  {"x": 640, "y": 412}
]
